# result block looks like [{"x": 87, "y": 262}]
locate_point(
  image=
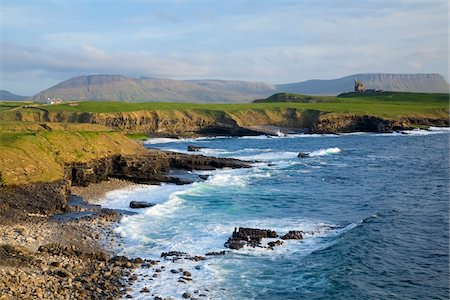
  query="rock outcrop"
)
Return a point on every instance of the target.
[
  {"x": 339, "y": 123},
  {"x": 293, "y": 235},
  {"x": 252, "y": 237},
  {"x": 16, "y": 202},
  {"x": 151, "y": 167},
  {"x": 192, "y": 148},
  {"x": 141, "y": 204},
  {"x": 248, "y": 237},
  {"x": 303, "y": 155}
]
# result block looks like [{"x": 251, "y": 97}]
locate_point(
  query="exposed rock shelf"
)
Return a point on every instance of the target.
[{"x": 246, "y": 122}]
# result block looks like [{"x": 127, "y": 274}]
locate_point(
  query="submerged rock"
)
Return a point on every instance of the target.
[
  {"x": 176, "y": 255},
  {"x": 293, "y": 235},
  {"x": 276, "y": 243},
  {"x": 303, "y": 155},
  {"x": 141, "y": 204},
  {"x": 203, "y": 177},
  {"x": 192, "y": 148},
  {"x": 214, "y": 253}
]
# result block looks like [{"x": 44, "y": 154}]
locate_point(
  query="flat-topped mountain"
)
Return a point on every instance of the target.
[
  {"x": 5, "y": 95},
  {"x": 126, "y": 89},
  {"x": 143, "y": 89},
  {"x": 420, "y": 83}
]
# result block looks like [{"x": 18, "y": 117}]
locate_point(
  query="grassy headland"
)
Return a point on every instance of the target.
[
  {"x": 36, "y": 140},
  {"x": 387, "y": 104},
  {"x": 284, "y": 110},
  {"x": 32, "y": 152}
]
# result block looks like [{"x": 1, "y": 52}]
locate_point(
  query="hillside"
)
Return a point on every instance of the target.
[
  {"x": 421, "y": 83},
  {"x": 8, "y": 96},
  {"x": 126, "y": 89},
  {"x": 32, "y": 152}
]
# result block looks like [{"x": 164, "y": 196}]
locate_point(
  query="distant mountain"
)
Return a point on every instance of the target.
[
  {"x": 126, "y": 89},
  {"x": 425, "y": 83},
  {"x": 5, "y": 95},
  {"x": 122, "y": 88}
]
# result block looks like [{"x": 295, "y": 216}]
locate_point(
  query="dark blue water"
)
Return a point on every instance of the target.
[{"x": 378, "y": 206}]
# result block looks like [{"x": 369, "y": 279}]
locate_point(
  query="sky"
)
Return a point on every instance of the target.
[{"x": 44, "y": 42}]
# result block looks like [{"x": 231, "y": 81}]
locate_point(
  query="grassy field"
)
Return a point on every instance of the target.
[{"x": 388, "y": 104}]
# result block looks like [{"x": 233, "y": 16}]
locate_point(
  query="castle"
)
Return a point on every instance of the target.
[{"x": 359, "y": 86}]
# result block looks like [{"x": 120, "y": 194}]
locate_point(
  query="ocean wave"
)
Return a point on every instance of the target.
[
  {"x": 443, "y": 129},
  {"x": 256, "y": 137},
  {"x": 269, "y": 156},
  {"x": 430, "y": 131},
  {"x": 167, "y": 207},
  {"x": 323, "y": 152}
]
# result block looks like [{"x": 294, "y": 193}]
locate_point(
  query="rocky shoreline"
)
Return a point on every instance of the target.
[{"x": 52, "y": 248}]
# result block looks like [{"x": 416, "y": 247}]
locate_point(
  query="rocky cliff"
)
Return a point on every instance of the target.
[
  {"x": 341, "y": 123},
  {"x": 38, "y": 167},
  {"x": 230, "y": 123}
]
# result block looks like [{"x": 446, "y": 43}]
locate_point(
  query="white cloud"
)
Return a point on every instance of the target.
[{"x": 292, "y": 41}]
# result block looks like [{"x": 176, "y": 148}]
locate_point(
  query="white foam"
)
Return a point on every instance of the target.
[
  {"x": 421, "y": 132},
  {"x": 443, "y": 129},
  {"x": 279, "y": 133},
  {"x": 269, "y": 156},
  {"x": 255, "y": 137},
  {"x": 322, "y": 152},
  {"x": 167, "y": 207},
  {"x": 120, "y": 199}
]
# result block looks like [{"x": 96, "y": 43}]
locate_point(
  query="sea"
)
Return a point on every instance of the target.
[{"x": 374, "y": 209}]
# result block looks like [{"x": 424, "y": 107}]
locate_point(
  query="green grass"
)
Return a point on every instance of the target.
[
  {"x": 397, "y": 96},
  {"x": 39, "y": 156},
  {"x": 7, "y": 105},
  {"x": 387, "y": 104}
]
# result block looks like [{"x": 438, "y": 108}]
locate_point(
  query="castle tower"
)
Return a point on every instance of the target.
[{"x": 359, "y": 86}]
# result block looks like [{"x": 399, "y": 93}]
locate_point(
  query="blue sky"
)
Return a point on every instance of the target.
[{"x": 46, "y": 41}]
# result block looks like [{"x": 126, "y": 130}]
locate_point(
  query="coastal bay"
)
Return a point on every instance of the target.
[{"x": 56, "y": 245}]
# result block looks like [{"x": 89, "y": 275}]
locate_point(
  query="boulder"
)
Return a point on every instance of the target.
[
  {"x": 275, "y": 243},
  {"x": 303, "y": 155},
  {"x": 203, "y": 177},
  {"x": 177, "y": 255},
  {"x": 141, "y": 204},
  {"x": 293, "y": 235},
  {"x": 192, "y": 148}
]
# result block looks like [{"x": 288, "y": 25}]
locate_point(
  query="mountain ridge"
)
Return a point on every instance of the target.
[
  {"x": 420, "y": 82},
  {"x": 6, "y": 95},
  {"x": 106, "y": 87}
]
